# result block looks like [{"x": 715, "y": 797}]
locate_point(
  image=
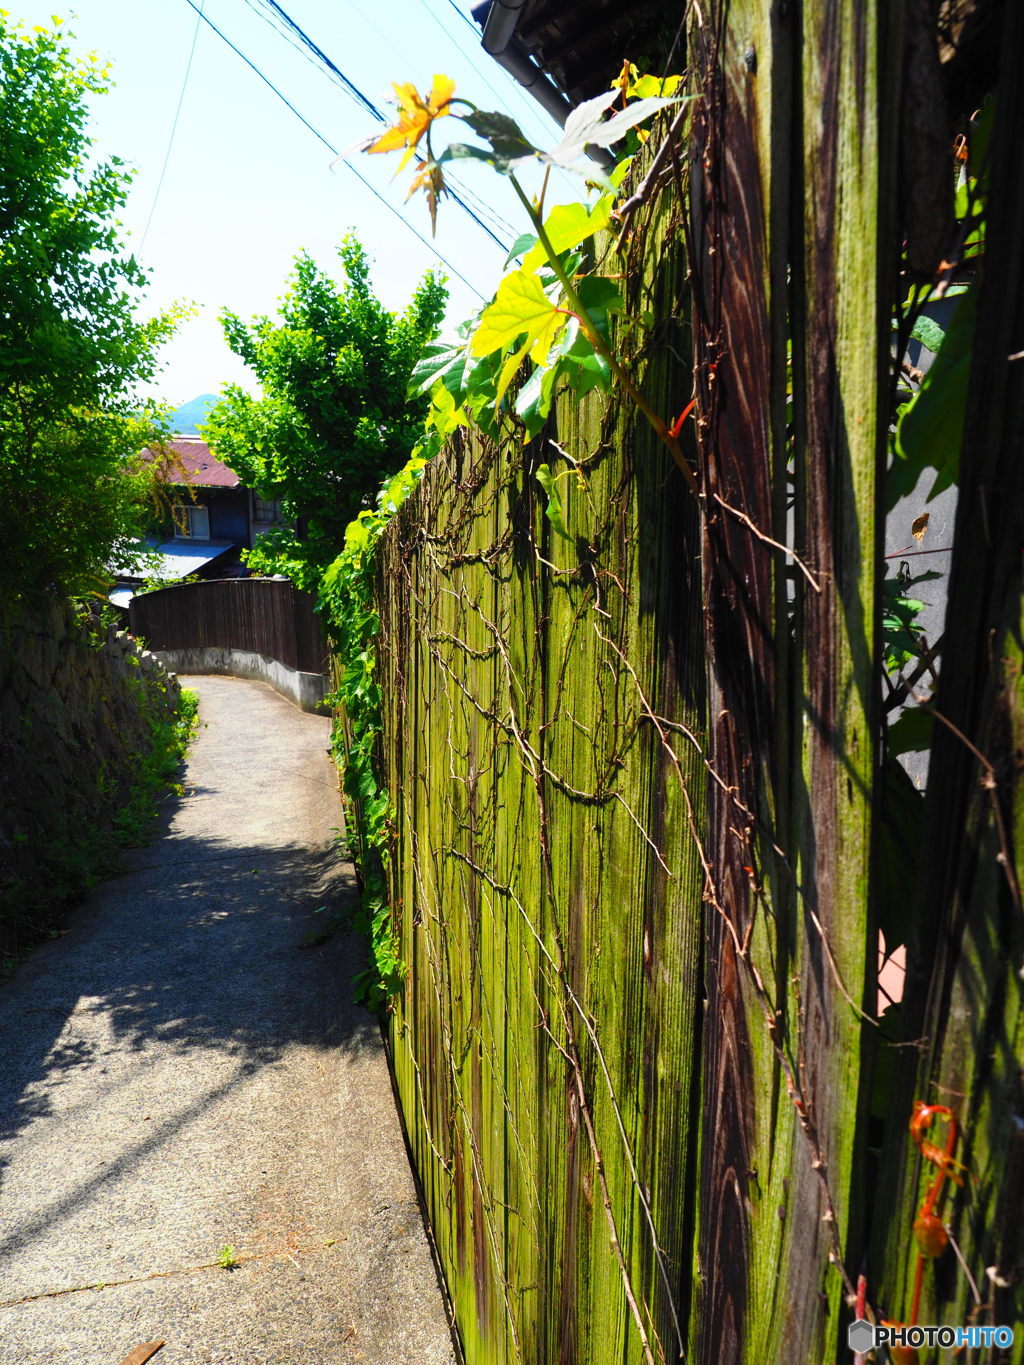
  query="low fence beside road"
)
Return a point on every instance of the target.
[{"x": 251, "y": 627}]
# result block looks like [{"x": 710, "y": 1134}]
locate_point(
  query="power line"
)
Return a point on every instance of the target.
[
  {"x": 465, "y": 18},
  {"x": 517, "y": 89},
  {"x": 332, "y": 149},
  {"x": 356, "y": 93},
  {"x": 502, "y": 102},
  {"x": 455, "y": 189},
  {"x": 174, "y": 129}
]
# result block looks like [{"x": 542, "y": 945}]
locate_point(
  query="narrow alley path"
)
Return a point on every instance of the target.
[{"x": 182, "y": 1072}]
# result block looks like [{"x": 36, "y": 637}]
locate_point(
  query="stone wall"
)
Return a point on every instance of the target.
[{"x": 77, "y": 707}]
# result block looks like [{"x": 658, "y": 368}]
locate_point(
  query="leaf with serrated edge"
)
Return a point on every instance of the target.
[
  {"x": 586, "y": 126},
  {"x": 436, "y": 359},
  {"x": 568, "y": 225},
  {"x": 928, "y": 332},
  {"x": 520, "y": 308}
]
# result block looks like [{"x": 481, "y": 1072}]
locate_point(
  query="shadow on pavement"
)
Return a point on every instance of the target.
[{"x": 211, "y": 951}]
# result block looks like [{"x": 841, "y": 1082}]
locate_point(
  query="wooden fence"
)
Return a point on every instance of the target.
[
  {"x": 541, "y": 698},
  {"x": 260, "y": 615},
  {"x": 642, "y": 821}
]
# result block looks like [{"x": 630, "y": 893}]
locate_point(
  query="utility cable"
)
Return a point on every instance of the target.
[
  {"x": 334, "y": 151},
  {"x": 455, "y": 189},
  {"x": 174, "y": 129},
  {"x": 465, "y": 18},
  {"x": 357, "y": 94}
]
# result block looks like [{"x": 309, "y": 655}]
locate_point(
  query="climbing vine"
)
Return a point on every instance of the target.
[{"x": 552, "y": 313}]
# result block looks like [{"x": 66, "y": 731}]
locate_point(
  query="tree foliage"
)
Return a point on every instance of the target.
[
  {"x": 71, "y": 348},
  {"x": 333, "y": 419}
]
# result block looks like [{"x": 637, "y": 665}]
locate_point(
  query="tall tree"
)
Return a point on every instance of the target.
[
  {"x": 333, "y": 419},
  {"x": 71, "y": 349}
]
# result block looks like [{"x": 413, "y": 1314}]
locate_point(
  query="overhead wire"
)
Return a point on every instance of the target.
[
  {"x": 463, "y": 189},
  {"x": 464, "y": 17},
  {"x": 353, "y": 89},
  {"x": 471, "y": 204},
  {"x": 516, "y": 88},
  {"x": 332, "y": 149},
  {"x": 512, "y": 84},
  {"x": 174, "y": 129}
]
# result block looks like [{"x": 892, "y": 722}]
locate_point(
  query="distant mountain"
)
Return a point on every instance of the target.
[{"x": 186, "y": 419}]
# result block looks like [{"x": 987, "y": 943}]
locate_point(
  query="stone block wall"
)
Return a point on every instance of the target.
[{"x": 76, "y": 712}]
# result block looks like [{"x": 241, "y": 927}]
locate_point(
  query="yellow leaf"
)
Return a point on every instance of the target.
[
  {"x": 508, "y": 372},
  {"x": 430, "y": 179},
  {"x": 920, "y": 525},
  {"x": 415, "y": 116}
]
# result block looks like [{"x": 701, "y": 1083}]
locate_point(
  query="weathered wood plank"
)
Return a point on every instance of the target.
[
  {"x": 553, "y": 925},
  {"x": 965, "y": 995},
  {"x": 787, "y": 241}
]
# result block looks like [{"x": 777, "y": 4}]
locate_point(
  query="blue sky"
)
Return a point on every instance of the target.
[{"x": 246, "y": 185}]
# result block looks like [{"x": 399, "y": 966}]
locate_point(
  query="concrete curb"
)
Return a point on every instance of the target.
[{"x": 306, "y": 690}]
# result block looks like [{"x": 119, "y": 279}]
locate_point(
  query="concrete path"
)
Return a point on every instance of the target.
[{"x": 181, "y": 1072}]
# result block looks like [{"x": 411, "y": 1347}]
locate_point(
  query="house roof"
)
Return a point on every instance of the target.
[
  {"x": 202, "y": 468},
  {"x": 173, "y": 559}
]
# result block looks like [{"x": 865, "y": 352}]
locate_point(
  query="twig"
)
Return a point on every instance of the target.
[
  {"x": 624, "y": 213},
  {"x": 786, "y": 549},
  {"x": 991, "y": 785}
]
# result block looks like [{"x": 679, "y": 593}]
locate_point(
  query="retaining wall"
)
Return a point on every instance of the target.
[{"x": 72, "y": 730}]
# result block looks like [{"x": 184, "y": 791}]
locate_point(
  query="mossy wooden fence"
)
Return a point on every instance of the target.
[
  {"x": 635, "y": 772},
  {"x": 541, "y": 696}
]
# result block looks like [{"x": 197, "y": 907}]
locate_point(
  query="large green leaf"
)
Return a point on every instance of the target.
[
  {"x": 931, "y": 427},
  {"x": 437, "y": 359},
  {"x": 521, "y": 312},
  {"x": 553, "y": 510}
]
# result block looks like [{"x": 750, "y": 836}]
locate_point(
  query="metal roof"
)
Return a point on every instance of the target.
[{"x": 202, "y": 468}]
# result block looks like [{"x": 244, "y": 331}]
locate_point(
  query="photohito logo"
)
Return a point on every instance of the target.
[{"x": 862, "y": 1337}]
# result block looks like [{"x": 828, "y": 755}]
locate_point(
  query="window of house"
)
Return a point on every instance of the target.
[
  {"x": 267, "y": 510},
  {"x": 192, "y": 522}
]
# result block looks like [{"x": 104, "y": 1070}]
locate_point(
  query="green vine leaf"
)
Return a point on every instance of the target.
[
  {"x": 535, "y": 397},
  {"x": 521, "y": 308},
  {"x": 567, "y": 225},
  {"x": 509, "y": 148},
  {"x": 928, "y": 332},
  {"x": 520, "y": 247},
  {"x": 437, "y": 359},
  {"x": 930, "y": 431},
  {"x": 553, "y": 510}
]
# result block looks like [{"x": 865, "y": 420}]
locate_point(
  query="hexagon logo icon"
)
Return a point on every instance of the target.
[{"x": 860, "y": 1336}]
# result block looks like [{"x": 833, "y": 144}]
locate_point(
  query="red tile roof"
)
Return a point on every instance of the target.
[{"x": 202, "y": 469}]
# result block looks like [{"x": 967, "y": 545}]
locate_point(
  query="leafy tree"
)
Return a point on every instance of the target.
[
  {"x": 333, "y": 419},
  {"x": 71, "y": 349}
]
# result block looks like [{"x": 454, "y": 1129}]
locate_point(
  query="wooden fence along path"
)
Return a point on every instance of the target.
[
  {"x": 540, "y": 698},
  {"x": 266, "y": 616},
  {"x": 636, "y": 777}
]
